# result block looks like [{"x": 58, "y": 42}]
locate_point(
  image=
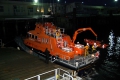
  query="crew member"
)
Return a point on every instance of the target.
[
  {"x": 47, "y": 55},
  {"x": 94, "y": 47},
  {"x": 49, "y": 31},
  {"x": 86, "y": 49},
  {"x": 59, "y": 30},
  {"x": 46, "y": 30},
  {"x": 102, "y": 44},
  {"x": 58, "y": 33},
  {"x": 54, "y": 32},
  {"x": 57, "y": 76}
]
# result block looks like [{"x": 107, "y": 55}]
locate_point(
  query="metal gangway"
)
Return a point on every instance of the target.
[{"x": 58, "y": 74}]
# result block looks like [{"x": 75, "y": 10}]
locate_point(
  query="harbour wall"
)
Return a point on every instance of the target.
[{"x": 102, "y": 25}]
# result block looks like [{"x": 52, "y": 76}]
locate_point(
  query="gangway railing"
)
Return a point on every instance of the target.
[{"x": 58, "y": 73}]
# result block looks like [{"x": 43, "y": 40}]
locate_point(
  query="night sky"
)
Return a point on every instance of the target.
[{"x": 86, "y": 2}]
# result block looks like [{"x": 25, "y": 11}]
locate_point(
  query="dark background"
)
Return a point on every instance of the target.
[
  {"x": 86, "y": 2},
  {"x": 102, "y": 25}
]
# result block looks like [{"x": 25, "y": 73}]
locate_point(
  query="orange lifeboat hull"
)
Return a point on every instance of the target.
[{"x": 47, "y": 36}]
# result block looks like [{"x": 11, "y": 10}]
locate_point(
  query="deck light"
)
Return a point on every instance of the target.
[{"x": 35, "y": 1}]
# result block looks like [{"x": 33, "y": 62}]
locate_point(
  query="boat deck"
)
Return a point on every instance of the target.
[
  {"x": 19, "y": 65},
  {"x": 76, "y": 63}
]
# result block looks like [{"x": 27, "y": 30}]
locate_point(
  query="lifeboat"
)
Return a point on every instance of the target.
[
  {"x": 60, "y": 46},
  {"x": 99, "y": 44}
]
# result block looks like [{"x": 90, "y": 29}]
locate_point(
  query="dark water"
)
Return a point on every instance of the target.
[{"x": 108, "y": 67}]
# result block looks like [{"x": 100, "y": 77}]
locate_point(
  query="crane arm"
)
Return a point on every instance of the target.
[{"x": 81, "y": 30}]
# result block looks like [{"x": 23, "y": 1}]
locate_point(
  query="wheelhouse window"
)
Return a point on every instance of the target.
[
  {"x": 29, "y": 35},
  {"x": 35, "y": 37},
  {"x": 30, "y": 8}
]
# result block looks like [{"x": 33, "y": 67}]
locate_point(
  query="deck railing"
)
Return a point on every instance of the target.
[
  {"x": 57, "y": 72},
  {"x": 81, "y": 61}
]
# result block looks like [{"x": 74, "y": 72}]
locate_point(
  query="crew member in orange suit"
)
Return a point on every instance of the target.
[{"x": 86, "y": 49}]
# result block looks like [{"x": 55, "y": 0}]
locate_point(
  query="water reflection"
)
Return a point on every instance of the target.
[{"x": 109, "y": 68}]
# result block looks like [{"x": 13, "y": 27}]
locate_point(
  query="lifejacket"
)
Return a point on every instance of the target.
[
  {"x": 94, "y": 47},
  {"x": 57, "y": 34},
  {"x": 86, "y": 47}
]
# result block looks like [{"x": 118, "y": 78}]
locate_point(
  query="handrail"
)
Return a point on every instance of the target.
[
  {"x": 80, "y": 61},
  {"x": 64, "y": 57},
  {"x": 38, "y": 76},
  {"x": 55, "y": 70},
  {"x": 68, "y": 76},
  {"x": 67, "y": 57},
  {"x": 68, "y": 61},
  {"x": 55, "y": 58}
]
